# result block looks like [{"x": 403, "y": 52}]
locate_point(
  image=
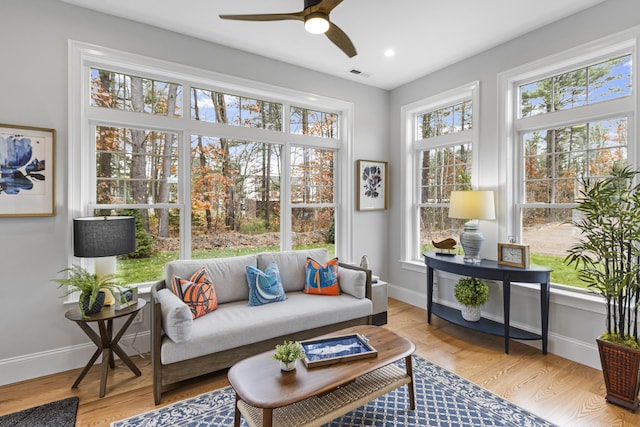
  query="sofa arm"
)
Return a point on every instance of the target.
[{"x": 368, "y": 291}]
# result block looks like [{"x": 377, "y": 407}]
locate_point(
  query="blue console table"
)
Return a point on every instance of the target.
[{"x": 491, "y": 270}]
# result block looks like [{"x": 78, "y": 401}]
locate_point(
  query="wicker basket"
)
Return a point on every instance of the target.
[{"x": 621, "y": 370}]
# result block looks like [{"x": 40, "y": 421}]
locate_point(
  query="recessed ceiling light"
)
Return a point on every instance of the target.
[{"x": 389, "y": 53}]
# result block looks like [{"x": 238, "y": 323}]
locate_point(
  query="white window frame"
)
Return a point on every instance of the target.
[
  {"x": 83, "y": 117},
  {"x": 410, "y": 161},
  {"x": 512, "y": 127}
]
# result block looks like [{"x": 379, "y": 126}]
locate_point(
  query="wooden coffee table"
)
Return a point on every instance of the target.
[{"x": 267, "y": 396}]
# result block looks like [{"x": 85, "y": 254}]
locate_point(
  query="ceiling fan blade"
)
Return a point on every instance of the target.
[
  {"x": 297, "y": 16},
  {"x": 326, "y": 6},
  {"x": 340, "y": 39}
]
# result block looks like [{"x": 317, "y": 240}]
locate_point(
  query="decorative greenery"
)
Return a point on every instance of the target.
[
  {"x": 144, "y": 239},
  {"x": 471, "y": 291},
  {"x": 289, "y": 352},
  {"x": 607, "y": 256},
  {"x": 81, "y": 280},
  {"x": 331, "y": 233}
]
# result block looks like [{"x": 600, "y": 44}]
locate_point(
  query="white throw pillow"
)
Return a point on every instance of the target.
[
  {"x": 352, "y": 282},
  {"x": 176, "y": 316}
]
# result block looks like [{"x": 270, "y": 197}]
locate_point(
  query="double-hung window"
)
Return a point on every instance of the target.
[
  {"x": 572, "y": 120},
  {"x": 441, "y": 136},
  {"x": 208, "y": 165}
]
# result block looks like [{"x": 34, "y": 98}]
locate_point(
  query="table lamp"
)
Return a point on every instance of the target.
[
  {"x": 471, "y": 205},
  {"x": 104, "y": 237}
]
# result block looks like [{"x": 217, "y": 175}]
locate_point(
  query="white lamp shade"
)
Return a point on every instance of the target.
[{"x": 472, "y": 205}]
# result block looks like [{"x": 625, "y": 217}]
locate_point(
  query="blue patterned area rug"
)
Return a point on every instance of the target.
[{"x": 442, "y": 399}]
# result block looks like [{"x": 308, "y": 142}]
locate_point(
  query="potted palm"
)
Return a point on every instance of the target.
[
  {"x": 472, "y": 293},
  {"x": 607, "y": 260},
  {"x": 288, "y": 355},
  {"x": 92, "y": 290}
]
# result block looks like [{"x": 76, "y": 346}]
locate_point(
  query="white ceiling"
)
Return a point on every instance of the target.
[{"x": 426, "y": 35}]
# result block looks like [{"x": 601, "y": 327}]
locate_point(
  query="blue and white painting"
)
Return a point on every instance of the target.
[
  {"x": 25, "y": 187},
  {"x": 372, "y": 182}
]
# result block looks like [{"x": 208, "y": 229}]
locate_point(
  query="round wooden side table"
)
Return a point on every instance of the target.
[{"x": 106, "y": 342}]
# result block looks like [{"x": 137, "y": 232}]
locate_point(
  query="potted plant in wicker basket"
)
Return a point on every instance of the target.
[
  {"x": 92, "y": 290},
  {"x": 607, "y": 260},
  {"x": 472, "y": 293}
]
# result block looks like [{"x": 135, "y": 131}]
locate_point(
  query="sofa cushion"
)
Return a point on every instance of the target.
[
  {"x": 199, "y": 297},
  {"x": 321, "y": 279},
  {"x": 246, "y": 325},
  {"x": 177, "y": 321},
  {"x": 228, "y": 274},
  {"x": 197, "y": 292},
  {"x": 264, "y": 286},
  {"x": 352, "y": 282},
  {"x": 292, "y": 265}
]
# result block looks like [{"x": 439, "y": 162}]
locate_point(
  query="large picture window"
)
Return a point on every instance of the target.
[
  {"x": 570, "y": 124},
  {"x": 441, "y": 137},
  {"x": 206, "y": 168}
]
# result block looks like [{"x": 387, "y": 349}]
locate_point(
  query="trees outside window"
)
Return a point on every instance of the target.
[
  {"x": 441, "y": 137},
  {"x": 226, "y": 179},
  {"x": 570, "y": 125}
]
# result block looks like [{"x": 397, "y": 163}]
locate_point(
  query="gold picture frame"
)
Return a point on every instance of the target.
[
  {"x": 27, "y": 164},
  {"x": 372, "y": 185},
  {"x": 513, "y": 255}
]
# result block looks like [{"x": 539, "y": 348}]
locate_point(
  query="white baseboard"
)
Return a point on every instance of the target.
[
  {"x": 560, "y": 345},
  {"x": 64, "y": 359}
]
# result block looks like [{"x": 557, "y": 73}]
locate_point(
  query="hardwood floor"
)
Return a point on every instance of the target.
[{"x": 562, "y": 391}]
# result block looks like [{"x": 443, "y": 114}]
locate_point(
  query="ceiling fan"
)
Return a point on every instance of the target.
[{"x": 316, "y": 20}]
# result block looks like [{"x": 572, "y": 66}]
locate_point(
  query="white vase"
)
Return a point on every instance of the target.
[
  {"x": 288, "y": 366},
  {"x": 471, "y": 313},
  {"x": 364, "y": 262}
]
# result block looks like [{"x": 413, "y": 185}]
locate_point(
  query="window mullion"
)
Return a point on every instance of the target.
[{"x": 583, "y": 114}]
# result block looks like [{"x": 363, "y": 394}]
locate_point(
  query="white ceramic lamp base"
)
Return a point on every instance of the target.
[
  {"x": 103, "y": 267},
  {"x": 471, "y": 240}
]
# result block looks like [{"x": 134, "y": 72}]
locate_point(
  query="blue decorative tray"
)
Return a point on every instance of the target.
[{"x": 341, "y": 348}]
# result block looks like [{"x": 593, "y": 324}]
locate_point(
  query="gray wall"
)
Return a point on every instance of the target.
[
  {"x": 574, "y": 323},
  {"x": 36, "y": 338}
]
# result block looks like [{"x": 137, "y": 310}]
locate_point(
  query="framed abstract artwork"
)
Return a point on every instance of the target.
[
  {"x": 27, "y": 171},
  {"x": 372, "y": 185}
]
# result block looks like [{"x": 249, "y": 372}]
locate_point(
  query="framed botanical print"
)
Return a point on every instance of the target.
[
  {"x": 372, "y": 185},
  {"x": 27, "y": 171}
]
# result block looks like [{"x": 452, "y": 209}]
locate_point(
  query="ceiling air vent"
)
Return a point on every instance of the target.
[{"x": 359, "y": 73}]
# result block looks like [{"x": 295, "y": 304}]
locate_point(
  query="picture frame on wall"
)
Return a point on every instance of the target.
[
  {"x": 27, "y": 171},
  {"x": 372, "y": 185}
]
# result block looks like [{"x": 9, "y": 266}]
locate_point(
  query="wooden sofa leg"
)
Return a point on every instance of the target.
[{"x": 157, "y": 393}]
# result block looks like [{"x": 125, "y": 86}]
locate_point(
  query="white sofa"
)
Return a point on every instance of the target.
[{"x": 184, "y": 348}]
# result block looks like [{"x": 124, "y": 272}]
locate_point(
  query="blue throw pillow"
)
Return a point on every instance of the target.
[{"x": 265, "y": 287}]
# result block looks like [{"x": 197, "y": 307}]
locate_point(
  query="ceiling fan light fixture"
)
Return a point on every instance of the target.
[{"x": 316, "y": 23}]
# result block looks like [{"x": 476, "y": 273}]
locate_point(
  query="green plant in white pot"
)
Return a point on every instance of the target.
[
  {"x": 607, "y": 260},
  {"x": 90, "y": 287},
  {"x": 288, "y": 354},
  {"x": 472, "y": 293}
]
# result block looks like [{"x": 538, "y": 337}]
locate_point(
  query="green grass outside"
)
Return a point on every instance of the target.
[
  {"x": 561, "y": 273},
  {"x": 151, "y": 269}
]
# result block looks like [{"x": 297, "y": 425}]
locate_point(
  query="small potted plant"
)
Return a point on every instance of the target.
[
  {"x": 90, "y": 287},
  {"x": 472, "y": 293},
  {"x": 288, "y": 355}
]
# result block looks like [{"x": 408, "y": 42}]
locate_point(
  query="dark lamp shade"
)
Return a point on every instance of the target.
[{"x": 102, "y": 236}]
